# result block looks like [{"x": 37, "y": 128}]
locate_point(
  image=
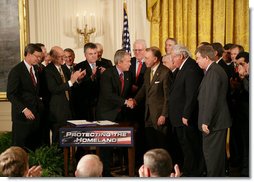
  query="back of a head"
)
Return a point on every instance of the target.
[
  {"x": 14, "y": 162},
  {"x": 159, "y": 162},
  {"x": 89, "y": 165},
  {"x": 218, "y": 48}
]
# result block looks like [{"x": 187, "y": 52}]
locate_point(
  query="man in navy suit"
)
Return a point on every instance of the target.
[
  {"x": 27, "y": 107},
  {"x": 214, "y": 117},
  {"x": 115, "y": 87}
]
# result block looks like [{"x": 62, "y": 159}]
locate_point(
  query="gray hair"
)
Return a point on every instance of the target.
[
  {"x": 140, "y": 41},
  {"x": 181, "y": 50},
  {"x": 159, "y": 162}
]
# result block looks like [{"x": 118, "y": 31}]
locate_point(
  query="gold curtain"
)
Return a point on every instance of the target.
[{"x": 195, "y": 21}]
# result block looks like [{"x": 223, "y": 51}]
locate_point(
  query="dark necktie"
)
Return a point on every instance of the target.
[
  {"x": 32, "y": 76},
  {"x": 139, "y": 69},
  {"x": 122, "y": 82}
]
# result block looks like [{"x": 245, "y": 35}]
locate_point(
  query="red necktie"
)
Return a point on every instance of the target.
[
  {"x": 32, "y": 76},
  {"x": 122, "y": 82},
  {"x": 139, "y": 69}
]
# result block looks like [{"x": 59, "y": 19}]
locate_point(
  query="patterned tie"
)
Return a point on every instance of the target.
[
  {"x": 122, "y": 82},
  {"x": 64, "y": 81},
  {"x": 32, "y": 76},
  {"x": 139, "y": 69},
  {"x": 151, "y": 75},
  {"x": 71, "y": 69}
]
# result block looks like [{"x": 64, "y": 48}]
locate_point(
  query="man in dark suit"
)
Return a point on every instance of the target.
[
  {"x": 69, "y": 57},
  {"x": 183, "y": 110},
  {"x": 115, "y": 86},
  {"x": 104, "y": 63},
  {"x": 27, "y": 107},
  {"x": 157, "y": 81},
  {"x": 137, "y": 71},
  {"x": 59, "y": 83},
  {"x": 214, "y": 117},
  {"x": 86, "y": 95}
]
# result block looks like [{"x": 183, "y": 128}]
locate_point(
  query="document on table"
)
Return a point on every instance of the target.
[
  {"x": 81, "y": 123},
  {"x": 106, "y": 122}
]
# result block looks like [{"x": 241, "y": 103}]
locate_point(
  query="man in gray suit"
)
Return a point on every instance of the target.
[
  {"x": 157, "y": 80},
  {"x": 214, "y": 117}
]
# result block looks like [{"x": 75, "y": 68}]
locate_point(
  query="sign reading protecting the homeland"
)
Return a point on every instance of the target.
[{"x": 119, "y": 137}]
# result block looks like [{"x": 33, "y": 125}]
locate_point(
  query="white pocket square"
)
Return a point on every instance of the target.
[{"x": 157, "y": 82}]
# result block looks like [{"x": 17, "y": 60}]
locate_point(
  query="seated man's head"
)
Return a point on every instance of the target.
[
  {"x": 157, "y": 163},
  {"x": 14, "y": 162},
  {"x": 89, "y": 165}
]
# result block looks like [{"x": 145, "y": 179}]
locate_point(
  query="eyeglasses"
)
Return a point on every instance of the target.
[
  {"x": 138, "y": 50},
  {"x": 37, "y": 56}
]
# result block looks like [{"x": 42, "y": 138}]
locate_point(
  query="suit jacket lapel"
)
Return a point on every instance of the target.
[{"x": 117, "y": 80}]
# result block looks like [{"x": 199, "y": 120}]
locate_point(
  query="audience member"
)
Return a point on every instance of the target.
[
  {"x": 14, "y": 163},
  {"x": 242, "y": 113},
  {"x": 59, "y": 83},
  {"x": 183, "y": 111},
  {"x": 214, "y": 117},
  {"x": 104, "y": 63},
  {"x": 89, "y": 165},
  {"x": 158, "y": 163},
  {"x": 157, "y": 81},
  {"x": 69, "y": 58},
  {"x": 168, "y": 45},
  {"x": 234, "y": 51},
  {"x": 27, "y": 108},
  {"x": 226, "y": 54},
  {"x": 47, "y": 60}
]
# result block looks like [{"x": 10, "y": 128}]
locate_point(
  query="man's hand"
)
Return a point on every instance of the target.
[
  {"x": 205, "y": 129},
  {"x": 185, "y": 121},
  {"x": 77, "y": 75},
  {"x": 102, "y": 69},
  {"x": 28, "y": 114},
  {"x": 34, "y": 171},
  {"x": 177, "y": 172},
  {"x": 131, "y": 103},
  {"x": 161, "y": 120}
]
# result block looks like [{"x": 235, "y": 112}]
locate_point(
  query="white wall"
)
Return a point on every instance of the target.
[{"x": 52, "y": 22}]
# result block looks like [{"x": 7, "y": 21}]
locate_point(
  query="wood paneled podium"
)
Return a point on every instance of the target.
[{"x": 121, "y": 135}]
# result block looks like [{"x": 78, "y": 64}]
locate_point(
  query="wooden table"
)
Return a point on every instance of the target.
[{"x": 69, "y": 151}]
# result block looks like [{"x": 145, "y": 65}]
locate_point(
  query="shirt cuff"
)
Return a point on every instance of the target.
[{"x": 70, "y": 84}]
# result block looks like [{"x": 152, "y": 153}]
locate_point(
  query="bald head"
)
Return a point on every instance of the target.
[
  {"x": 57, "y": 55},
  {"x": 89, "y": 165}
]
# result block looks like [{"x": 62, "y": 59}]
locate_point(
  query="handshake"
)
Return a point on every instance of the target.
[{"x": 131, "y": 103}]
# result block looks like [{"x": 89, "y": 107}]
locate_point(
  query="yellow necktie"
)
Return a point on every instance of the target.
[
  {"x": 151, "y": 75},
  {"x": 63, "y": 78}
]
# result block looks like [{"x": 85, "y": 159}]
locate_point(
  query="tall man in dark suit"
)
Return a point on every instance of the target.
[
  {"x": 115, "y": 86},
  {"x": 59, "y": 83},
  {"x": 183, "y": 110},
  {"x": 214, "y": 116},
  {"x": 157, "y": 81},
  {"x": 27, "y": 107},
  {"x": 86, "y": 95}
]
